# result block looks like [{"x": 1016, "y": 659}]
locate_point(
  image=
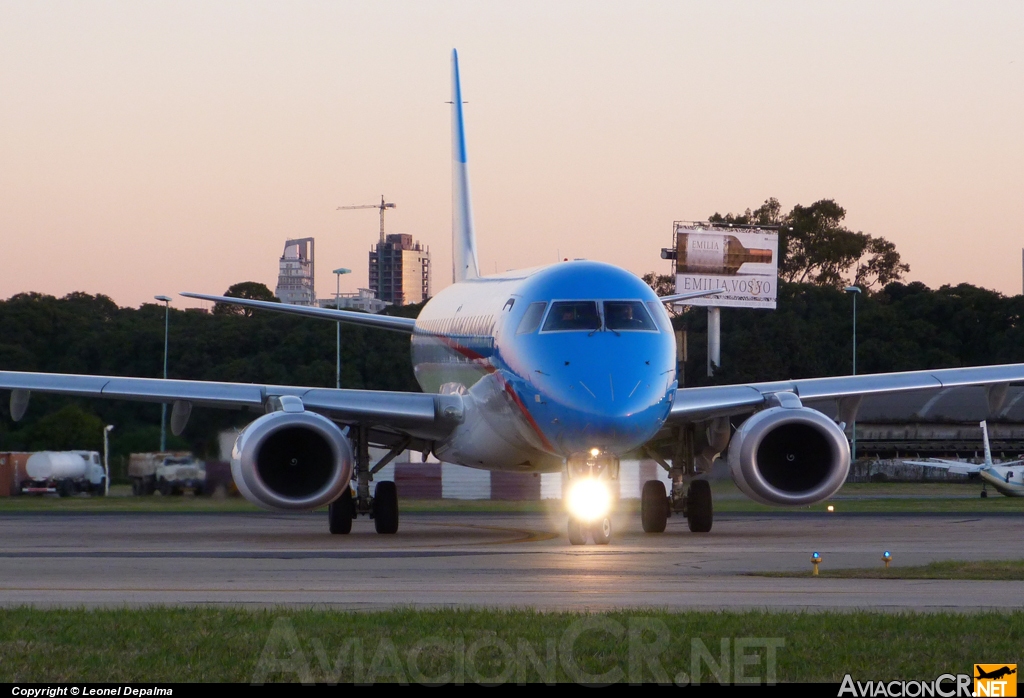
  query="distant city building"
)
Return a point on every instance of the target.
[
  {"x": 400, "y": 270},
  {"x": 363, "y": 300},
  {"x": 295, "y": 274}
]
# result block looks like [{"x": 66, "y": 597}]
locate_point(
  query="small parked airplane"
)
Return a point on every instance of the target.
[{"x": 1007, "y": 478}]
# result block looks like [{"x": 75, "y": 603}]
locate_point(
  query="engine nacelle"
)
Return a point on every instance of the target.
[
  {"x": 291, "y": 460},
  {"x": 789, "y": 456}
]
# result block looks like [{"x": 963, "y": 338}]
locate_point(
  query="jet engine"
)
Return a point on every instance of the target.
[
  {"x": 291, "y": 460},
  {"x": 789, "y": 455}
]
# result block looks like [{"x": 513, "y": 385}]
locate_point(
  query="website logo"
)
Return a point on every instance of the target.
[{"x": 995, "y": 680}]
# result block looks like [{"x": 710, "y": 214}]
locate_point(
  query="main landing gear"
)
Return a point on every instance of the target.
[
  {"x": 656, "y": 506},
  {"x": 382, "y": 507},
  {"x": 690, "y": 497}
]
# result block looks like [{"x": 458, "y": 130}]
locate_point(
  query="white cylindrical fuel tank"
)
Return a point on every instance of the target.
[{"x": 56, "y": 465}]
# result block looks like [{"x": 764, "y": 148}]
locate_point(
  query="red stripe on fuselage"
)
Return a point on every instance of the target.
[{"x": 481, "y": 361}]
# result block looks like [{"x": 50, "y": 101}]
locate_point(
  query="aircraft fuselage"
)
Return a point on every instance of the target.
[
  {"x": 1008, "y": 480},
  {"x": 555, "y": 361}
]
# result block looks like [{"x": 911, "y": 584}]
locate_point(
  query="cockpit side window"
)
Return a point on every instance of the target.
[
  {"x": 660, "y": 315},
  {"x": 628, "y": 315},
  {"x": 531, "y": 319},
  {"x": 573, "y": 315}
]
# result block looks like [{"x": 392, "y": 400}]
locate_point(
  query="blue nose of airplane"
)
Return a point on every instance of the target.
[{"x": 606, "y": 391}]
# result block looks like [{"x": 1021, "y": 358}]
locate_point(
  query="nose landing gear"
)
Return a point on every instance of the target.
[
  {"x": 592, "y": 480},
  {"x": 600, "y": 530}
]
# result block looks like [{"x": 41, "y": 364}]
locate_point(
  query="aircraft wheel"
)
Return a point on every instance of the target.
[
  {"x": 984, "y": 494},
  {"x": 698, "y": 506},
  {"x": 340, "y": 513},
  {"x": 602, "y": 531},
  {"x": 654, "y": 507},
  {"x": 577, "y": 531},
  {"x": 385, "y": 507}
]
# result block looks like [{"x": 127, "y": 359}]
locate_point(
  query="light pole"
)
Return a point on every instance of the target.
[
  {"x": 854, "y": 291},
  {"x": 163, "y": 406},
  {"x": 106, "y": 459},
  {"x": 337, "y": 306}
]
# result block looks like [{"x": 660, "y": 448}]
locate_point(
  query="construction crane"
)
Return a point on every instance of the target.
[{"x": 380, "y": 206}]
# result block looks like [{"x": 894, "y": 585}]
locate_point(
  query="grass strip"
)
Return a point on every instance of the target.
[
  {"x": 217, "y": 644},
  {"x": 945, "y": 569}
]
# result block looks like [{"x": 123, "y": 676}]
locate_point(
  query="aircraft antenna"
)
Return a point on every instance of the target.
[{"x": 382, "y": 205}]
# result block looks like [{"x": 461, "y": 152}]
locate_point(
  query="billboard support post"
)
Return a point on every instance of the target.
[{"x": 714, "y": 339}]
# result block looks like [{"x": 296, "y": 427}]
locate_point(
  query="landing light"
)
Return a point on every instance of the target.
[
  {"x": 589, "y": 499},
  {"x": 595, "y": 452}
]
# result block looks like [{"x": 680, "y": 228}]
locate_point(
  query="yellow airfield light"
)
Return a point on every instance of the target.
[{"x": 589, "y": 499}]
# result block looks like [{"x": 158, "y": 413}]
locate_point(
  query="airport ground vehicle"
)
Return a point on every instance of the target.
[
  {"x": 64, "y": 473},
  {"x": 166, "y": 473}
]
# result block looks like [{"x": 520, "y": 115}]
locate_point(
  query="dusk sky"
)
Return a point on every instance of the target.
[{"x": 151, "y": 148}]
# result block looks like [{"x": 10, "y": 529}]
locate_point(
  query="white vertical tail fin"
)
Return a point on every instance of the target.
[
  {"x": 988, "y": 449},
  {"x": 464, "y": 259}
]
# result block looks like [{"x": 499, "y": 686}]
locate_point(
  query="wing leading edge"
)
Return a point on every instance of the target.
[
  {"x": 383, "y": 322},
  {"x": 696, "y": 404},
  {"x": 422, "y": 415}
]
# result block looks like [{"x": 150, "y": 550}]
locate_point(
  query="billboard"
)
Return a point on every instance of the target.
[{"x": 742, "y": 262}]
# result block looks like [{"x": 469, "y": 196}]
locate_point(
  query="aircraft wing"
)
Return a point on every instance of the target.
[
  {"x": 697, "y": 404},
  {"x": 421, "y": 415},
  {"x": 677, "y": 297},
  {"x": 383, "y": 322},
  {"x": 954, "y": 466}
]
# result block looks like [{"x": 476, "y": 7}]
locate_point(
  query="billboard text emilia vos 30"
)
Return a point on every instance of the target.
[{"x": 743, "y": 263}]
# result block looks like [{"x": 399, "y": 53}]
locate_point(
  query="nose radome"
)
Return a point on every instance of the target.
[
  {"x": 618, "y": 413},
  {"x": 616, "y": 388}
]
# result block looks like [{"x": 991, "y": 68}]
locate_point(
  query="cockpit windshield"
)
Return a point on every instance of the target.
[
  {"x": 531, "y": 320},
  {"x": 628, "y": 315},
  {"x": 573, "y": 315}
]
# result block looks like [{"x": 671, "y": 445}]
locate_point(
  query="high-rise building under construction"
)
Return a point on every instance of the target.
[
  {"x": 295, "y": 273},
  {"x": 400, "y": 270}
]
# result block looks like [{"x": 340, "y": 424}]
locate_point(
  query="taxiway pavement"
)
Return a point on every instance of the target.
[{"x": 492, "y": 560}]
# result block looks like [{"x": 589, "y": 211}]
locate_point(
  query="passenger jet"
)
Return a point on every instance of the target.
[
  {"x": 1007, "y": 478},
  {"x": 568, "y": 368}
]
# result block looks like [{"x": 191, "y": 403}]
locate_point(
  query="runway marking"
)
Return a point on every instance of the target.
[
  {"x": 239, "y": 554},
  {"x": 885, "y": 590},
  {"x": 525, "y": 535}
]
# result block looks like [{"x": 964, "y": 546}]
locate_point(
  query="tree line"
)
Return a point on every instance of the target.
[
  {"x": 82, "y": 333},
  {"x": 900, "y": 326}
]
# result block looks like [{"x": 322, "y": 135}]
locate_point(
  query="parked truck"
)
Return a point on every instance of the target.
[
  {"x": 167, "y": 473},
  {"x": 64, "y": 473}
]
